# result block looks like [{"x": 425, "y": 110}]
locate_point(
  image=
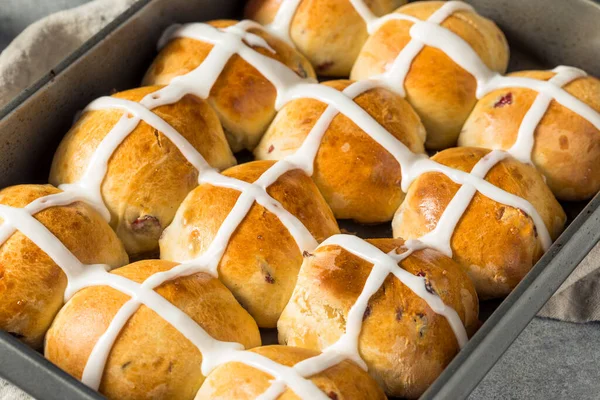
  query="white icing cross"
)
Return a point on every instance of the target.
[
  {"x": 523, "y": 146},
  {"x": 440, "y": 237}
]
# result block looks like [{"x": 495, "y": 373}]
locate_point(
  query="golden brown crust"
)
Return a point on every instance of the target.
[
  {"x": 441, "y": 92},
  {"x": 358, "y": 177},
  {"x": 147, "y": 176},
  {"x": 495, "y": 243},
  {"x": 243, "y": 99},
  {"x": 32, "y": 286},
  {"x": 155, "y": 362},
  {"x": 237, "y": 381},
  {"x": 567, "y": 146},
  {"x": 262, "y": 260},
  {"x": 330, "y": 33},
  {"x": 404, "y": 343}
]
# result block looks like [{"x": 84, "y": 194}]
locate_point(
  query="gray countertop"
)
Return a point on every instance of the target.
[{"x": 549, "y": 360}]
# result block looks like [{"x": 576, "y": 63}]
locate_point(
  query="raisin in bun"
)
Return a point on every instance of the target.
[
  {"x": 441, "y": 91},
  {"x": 32, "y": 286},
  {"x": 237, "y": 381},
  {"x": 566, "y": 145},
  {"x": 330, "y": 33},
  {"x": 495, "y": 243},
  {"x": 150, "y": 357},
  {"x": 404, "y": 343},
  {"x": 358, "y": 177},
  {"x": 147, "y": 176},
  {"x": 261, "y": 261},
  {"x": 243, "y": 98}
]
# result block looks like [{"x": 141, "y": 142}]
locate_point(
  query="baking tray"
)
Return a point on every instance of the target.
[{"x": 542, "y": 34}]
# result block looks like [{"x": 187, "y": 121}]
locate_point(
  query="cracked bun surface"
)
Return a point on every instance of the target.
[
  {"x": 261, "y": 261},
  {"x": 237, "y": 381},
  {"x": 496, "y": 244},
  {"x": 147, "y": 176},
  {"x": 358, "y": 177},
  {"x": 243, "y": 98},
  {"x": 567, "y": 146},
  {"x": 441, "y": 92},
  {"x": 150, "y": 358},
  {"x": 32, "y": 286},
  {"x": 405, "y": 344}
]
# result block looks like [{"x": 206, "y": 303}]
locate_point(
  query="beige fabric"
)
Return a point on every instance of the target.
[
  {"x": 578, "y": 299},
  {"x": 45, "y": 43}
]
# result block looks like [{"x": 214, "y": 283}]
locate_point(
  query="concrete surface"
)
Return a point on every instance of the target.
[{"x": 549, "y": 360}]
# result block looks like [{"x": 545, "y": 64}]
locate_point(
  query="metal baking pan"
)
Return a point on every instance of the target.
[{"x": 541, "y": 33}]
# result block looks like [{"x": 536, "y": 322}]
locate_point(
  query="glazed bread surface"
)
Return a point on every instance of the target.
[
  {"x": 567, "y": 146},
  {"x": 495, "y": 243},
  {"x": 404, "y": 343},
  {"x": 147, "y": 176},
  {"x": 243, "y": 98},
  {"x": 150, "y": 358},
  {"x": 442, "y": 92},
  {"x": 237, "y": 381},
  {"x": 358, "y": 177},
  {"x": 330, "y": 33},
  {"x": 32, "y": 286},
  {"x": 261, "y": 261}
]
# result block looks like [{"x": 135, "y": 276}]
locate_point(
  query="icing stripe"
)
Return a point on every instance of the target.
[
  {"x": 280, "y": 26},
  {"x": 416, "y": 284},
  {"x": 396, "y": 76},
  {"x": 488, "y": 190},
  {"x": 101, "y": 156},
  {"x": 440, "y": 237},
  {"x": 523, "y": 146},
  {"x": 33, "y": 229}
]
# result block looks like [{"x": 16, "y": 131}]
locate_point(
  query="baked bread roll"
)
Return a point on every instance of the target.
[
  {"x": 261, "y": 262},
  {"x": 150, "y": 357},
  {"x": 237, "y": 381},
  {"x": 442, "y": 92},
  {"x": 147, "y": 176},
  {"x": 243, "y": 99},
  {"x": 495, "y": 243},
  {"x": 32, "y": 286},
  {"x": 566, "y": 146},
  {"x": 357, "y": 176},
  {"x": 330, "y": 33},
  {"x": 404, "y": 343}
]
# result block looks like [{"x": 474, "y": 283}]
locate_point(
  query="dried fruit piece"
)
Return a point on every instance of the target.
[
  {"x": 269, "y": 278},
  {"x": 324, "y": 66},
  {"x": 145, "y": 224},
  {"x": 505, "y": 100},
  {"x": 367, "y": 312},
  {"x": 399, "y": 313}
]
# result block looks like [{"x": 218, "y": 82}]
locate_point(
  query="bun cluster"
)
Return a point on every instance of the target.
[{"x": 221, "y": 250}]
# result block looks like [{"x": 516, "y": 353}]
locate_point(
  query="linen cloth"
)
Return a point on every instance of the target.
[{"x": 45, "y": 43}]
